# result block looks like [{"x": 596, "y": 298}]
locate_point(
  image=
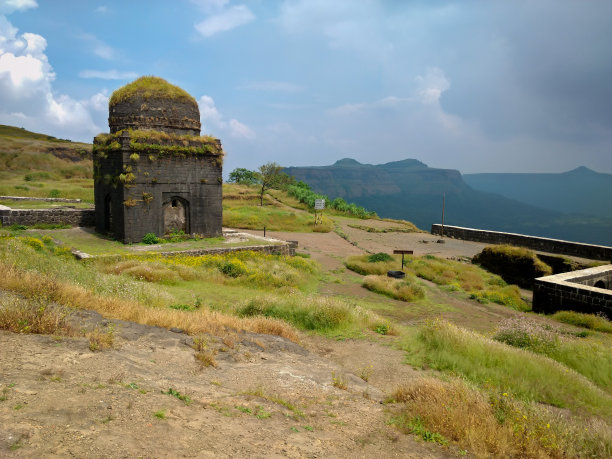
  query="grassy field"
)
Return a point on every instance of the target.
[
  {"x": 453, "y": 276},
  {"x": 534, "y": 387}
]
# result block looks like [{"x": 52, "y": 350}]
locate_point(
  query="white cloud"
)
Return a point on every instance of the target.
[
  {"x": 209, "y": 113},
  {"x": 107, "y": 74},
  {"x": 98, "y": 47},
  {"x": 102, "y": 9},
  {"x": 431, "y": 85},
  {"x": 280, "y": 86},
  {"x": 211, "y": 117},
  {"x": 225, "y": 20},
  {"x": 9, "y": 6},
  {"x": 237, "y": 129},
  {"x": 27, "y": 97}
]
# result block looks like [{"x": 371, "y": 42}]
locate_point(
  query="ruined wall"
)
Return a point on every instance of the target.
[
  {"x": 140, "y": 185},
  {"x": 575, "y": 291},
  {"x": 29, "y": 217},
  {"x": 577, "y": 249}
]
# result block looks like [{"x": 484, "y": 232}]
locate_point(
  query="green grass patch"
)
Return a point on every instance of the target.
[
  {"x": 588, "y": 357},
  {"x": 252, "y": 216},
  {"x": 488, "y": 363},
  {"x": 451, "y": 275},
  {"x": 590, "y": 321},
  {"x": 314, "y": 313},
  {"x": 406, "y": 289}
]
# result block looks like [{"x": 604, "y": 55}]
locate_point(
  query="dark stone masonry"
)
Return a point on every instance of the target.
[
  {"x": 154, "y": 173},
  {"x": 586, "y": 291},
  {"x": 29, "y": 217},
  {"x": 576, "y": 249}
]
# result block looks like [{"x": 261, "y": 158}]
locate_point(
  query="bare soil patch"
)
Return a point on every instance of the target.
[{"x": 267, "y": 397}]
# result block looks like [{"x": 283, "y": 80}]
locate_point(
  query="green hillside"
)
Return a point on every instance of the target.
[{"x": 411, "y": 190}]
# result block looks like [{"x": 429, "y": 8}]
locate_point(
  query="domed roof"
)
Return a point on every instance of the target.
[{"x": 151, "y": 103}]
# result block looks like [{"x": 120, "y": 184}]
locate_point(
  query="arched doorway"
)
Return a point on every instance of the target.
[
  {"x": 176, "y": 215},
  {"x": 600, "y": 284},
  {"x": 108, "y": 214}
]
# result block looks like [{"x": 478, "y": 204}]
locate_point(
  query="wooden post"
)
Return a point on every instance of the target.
[{"x": 403, "y": 252}]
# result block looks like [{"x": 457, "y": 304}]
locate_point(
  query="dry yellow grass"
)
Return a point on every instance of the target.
[
  {"x": 404, "y": 289},
  {"x": 32, "y": 284},
  {"x": 497, "y": 426},
  {"x": 22, "y": 316}
]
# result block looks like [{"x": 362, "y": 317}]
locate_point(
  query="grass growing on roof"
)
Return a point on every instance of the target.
[{"x": 148, "y": 87}]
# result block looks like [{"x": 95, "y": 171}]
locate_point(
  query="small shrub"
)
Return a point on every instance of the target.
[
  {"x": 206, "y": 358},
  {"x": 100, "y": 340},
  {"x": 182, "y": 397},
  {"x": 378, "y": 257},
  {"x": 33, "y": 242},
  {"x": 134, "y": 157},
  {"x": 150, "y": 238},
  {"x": 401, "y": 289},
  {"x": 54, "y": 193},
  {"x": 515, "y": 265},
  {"x": 233, "y": 268},
  {"x": 339, "y": 381},
  {"x": 161, "y": 414}
]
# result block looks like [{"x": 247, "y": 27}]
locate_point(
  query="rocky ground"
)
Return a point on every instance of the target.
[{"x": 267, "y": 397}]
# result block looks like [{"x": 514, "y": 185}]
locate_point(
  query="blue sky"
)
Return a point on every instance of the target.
[{"x": 479, "y": 86}]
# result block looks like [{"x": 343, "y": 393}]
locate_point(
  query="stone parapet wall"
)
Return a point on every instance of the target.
[
  {"x": 28, "y": 217},
  {"x": 574, "y": 291},
  {"x": 286, "y": 249},
  {"x": 576, "y": 249},
  {"x": 27, "y": 198}
]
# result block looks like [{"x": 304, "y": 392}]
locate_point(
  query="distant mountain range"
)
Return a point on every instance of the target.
[
  {"x": 411, "y": 190},
  {"x": 580, "y": 191}
]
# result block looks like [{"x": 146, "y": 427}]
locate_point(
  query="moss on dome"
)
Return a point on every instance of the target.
[{"x": 149, "y": 87}]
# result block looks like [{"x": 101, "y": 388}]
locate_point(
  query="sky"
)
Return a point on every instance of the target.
[{"x": 473, "y": 85}]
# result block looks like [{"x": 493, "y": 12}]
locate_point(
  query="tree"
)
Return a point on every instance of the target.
[
  {"x": 268, "y": 176},
  {"x": 243, "y": 176}
]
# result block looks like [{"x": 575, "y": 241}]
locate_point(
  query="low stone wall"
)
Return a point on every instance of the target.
[
  {"x": 26, "y": 198},
  {"x": 576, "y": 249},
  {"x": 286, "y": 249},
  {"x": 29, "y": 217},
  {"x": 574, "y": 291}
]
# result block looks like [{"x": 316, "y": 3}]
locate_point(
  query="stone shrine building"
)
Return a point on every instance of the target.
[{"x": 154, "y": 173}]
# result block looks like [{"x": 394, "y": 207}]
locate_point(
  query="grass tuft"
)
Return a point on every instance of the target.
[
  {"x": 402, "y": 289},
  {"x": 590, "y": 321}
]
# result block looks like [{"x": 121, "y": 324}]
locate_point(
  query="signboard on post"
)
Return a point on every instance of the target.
[{"x": 319, "y": 205}]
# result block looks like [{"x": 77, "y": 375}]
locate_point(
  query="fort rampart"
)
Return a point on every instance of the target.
[{"x": 576, "y": 249}]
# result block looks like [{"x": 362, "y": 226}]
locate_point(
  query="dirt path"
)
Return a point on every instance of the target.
[{"x": 266, "y": 398}]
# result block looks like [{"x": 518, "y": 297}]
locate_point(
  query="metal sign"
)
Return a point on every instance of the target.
[{"x": 319, "y": 204}]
